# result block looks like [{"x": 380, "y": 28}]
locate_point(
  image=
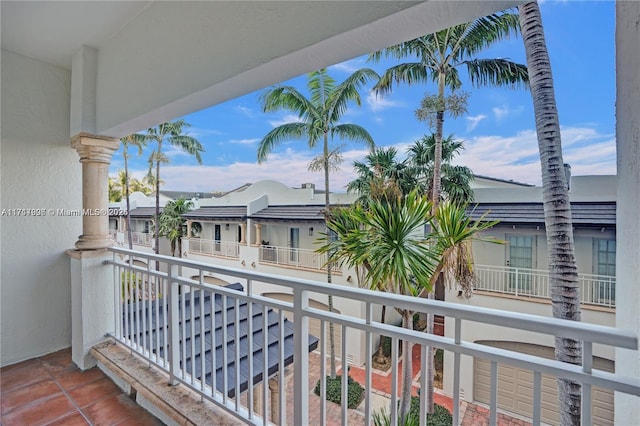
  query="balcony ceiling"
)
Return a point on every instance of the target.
[{"x": 168, "y": 59}]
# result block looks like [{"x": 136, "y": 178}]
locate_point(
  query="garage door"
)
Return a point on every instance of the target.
[
  {"x": 314, "y": 324},
  {"x": 515, "y": 386}
]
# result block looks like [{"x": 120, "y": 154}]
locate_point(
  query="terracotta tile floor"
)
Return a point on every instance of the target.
[{"x": 50, "y": 390}]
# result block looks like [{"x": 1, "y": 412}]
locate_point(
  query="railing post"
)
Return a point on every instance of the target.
[
  {"x": 517, "y": 273},
  {"x": 174, "y": 326},
  {"x": 300, "y": 357}
]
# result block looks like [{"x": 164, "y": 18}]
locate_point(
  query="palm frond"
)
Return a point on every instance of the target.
[
  {"x": 347, "y": 91},
  {"x": 288, "y": 98},
  {"x": 485, "y": 32},
  {"x": 188, "y": 144},
  {"x": 409, "y": 73},
  {"x": 321, "y": 85},
  {"x": 278, "y": 135},
  {"x": 353, "y": 132},
  {"x": 497, "y": 72}
]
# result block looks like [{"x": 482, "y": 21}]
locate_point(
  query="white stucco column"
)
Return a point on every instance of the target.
[
  {"x": 243, "y": 233},
  {"x": 258, "y": 235},
  {"x": 95, "y": 155},
  {"x": 92, "y": 303},
  {"x": 627, "y": 408}
]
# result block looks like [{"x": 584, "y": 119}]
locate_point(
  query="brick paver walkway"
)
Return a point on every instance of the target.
[{"x": 471, "y": 414}]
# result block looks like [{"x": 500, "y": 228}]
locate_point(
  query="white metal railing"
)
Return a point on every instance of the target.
[
  {"x": 156, "y": 308},
  {"x": 594, "y": 289},
  {"x": 214, "y": 247},
  {"x": 295, "y": 257},
  {"x": 139, "y": 238}
]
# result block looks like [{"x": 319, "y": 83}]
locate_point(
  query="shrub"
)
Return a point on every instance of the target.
[
  {"x": 440, "y": 416},
  {"x": 439, "y": 359},
  {"x": 355, "y": 392}
]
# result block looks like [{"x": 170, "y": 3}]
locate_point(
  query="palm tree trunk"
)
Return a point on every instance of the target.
[
  {"x": 327, "y": 205},
  {"x": 435, "y": 199},
  {"x": 407, "y": 367},
  {"x": 126, "y": 184},
  {"x": 563, "y": 275},
  {"x": 157, "y": 224}
]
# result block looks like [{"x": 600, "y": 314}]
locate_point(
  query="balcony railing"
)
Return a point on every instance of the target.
[
  {"x": 214, "y": 247},
  {"x": 295, "y": 257},
  {"x": 594, "y": 289},
  {"x": 156, "y": 317},
  {"x": 139, "y": 238}
]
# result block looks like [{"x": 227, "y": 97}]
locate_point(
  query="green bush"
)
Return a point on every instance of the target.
[
  {"x": 439, "y": 359},
  {"x": 355, "y": 392},
  {"x": 440, "y": 416}
]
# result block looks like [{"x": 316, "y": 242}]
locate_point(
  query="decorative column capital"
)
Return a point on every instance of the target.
[{"x": 93, "y": 148}]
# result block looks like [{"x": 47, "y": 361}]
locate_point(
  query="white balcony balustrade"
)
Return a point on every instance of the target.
[
  {"x": 215, "y": 247},
  {"x": 139, "y": 238},
  {"x": 161, "y": 314},
  {"x": 594, "y": 289},
  {"x": 295, "y": 258}
]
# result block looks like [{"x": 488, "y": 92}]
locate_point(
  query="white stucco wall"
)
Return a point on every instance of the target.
[
  {"x": 628, "y": 155},
  {"x": 40, "y": 171},
  {"x": 494, "y": 254}
]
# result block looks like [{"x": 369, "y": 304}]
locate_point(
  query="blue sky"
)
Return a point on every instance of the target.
[{"x": 499, "y": 129}]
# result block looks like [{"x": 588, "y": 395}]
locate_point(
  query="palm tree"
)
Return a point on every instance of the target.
[
  {"x": 115, "y": 192},
  {"x": 138, "y": 141},
  {"x": 456, "y": 180},
  {"x": 380, "y": 173},
  {"x": 441, "y": 54},
  {"x": 319, "y": 116},
  {"x": 387, "y": 241},
  {"x": 563, "y": 275},
  {"x": 171, "y": 132},
  {"x": 173, "y": 225}
]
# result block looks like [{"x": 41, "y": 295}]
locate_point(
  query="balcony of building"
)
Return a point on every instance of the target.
[
  {"x": 595, "y": 290},
  {"x": 209, "y": 341}
]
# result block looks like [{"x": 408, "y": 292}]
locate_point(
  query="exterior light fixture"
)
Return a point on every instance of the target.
[
  {"x": 226, "y": 227},
  {"x": 311, "y": 231}
]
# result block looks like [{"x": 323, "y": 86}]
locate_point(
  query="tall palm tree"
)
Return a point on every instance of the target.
[
  {"x": 398, "y": 259},
  {"x": 171, "y": 132},
  {"x": 440, "y": 55},
  {"x": 563, "y": 274},
  {"x": 172, "y": 225},
  {"x": 139, "y": 141},
  {"x": 319, "y": 116},
  {"x": 456, "y": 180}
]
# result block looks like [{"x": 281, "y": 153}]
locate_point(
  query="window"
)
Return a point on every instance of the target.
[
  {"x": 294, "y": 244},
  {"x": 604, "y": 264},
  {"x": 520, "y": 257}
]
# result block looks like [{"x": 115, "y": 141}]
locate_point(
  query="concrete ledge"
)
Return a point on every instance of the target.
[{"x": 173, "y": 405}]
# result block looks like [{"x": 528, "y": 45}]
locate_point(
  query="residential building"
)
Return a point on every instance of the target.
[
  {"x": 92, "y": 72},
  {"x": 513, "y": 275}
]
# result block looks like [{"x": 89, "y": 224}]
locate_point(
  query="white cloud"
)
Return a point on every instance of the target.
[
  {"x": 378, "y": 103},
  {"x": 505, "y": 111},
  {"x": 516, "y": 157},
  {"x": 250, "y": 141},
  {"x": 244, "y": 110},
  {"x": 474, "y": 120},
  {"x": 196, "y": 132},
  {"x": 348, "y": 67},
  {"x": 513, "y": 157},
  {"x": 289, "y": 118}
]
